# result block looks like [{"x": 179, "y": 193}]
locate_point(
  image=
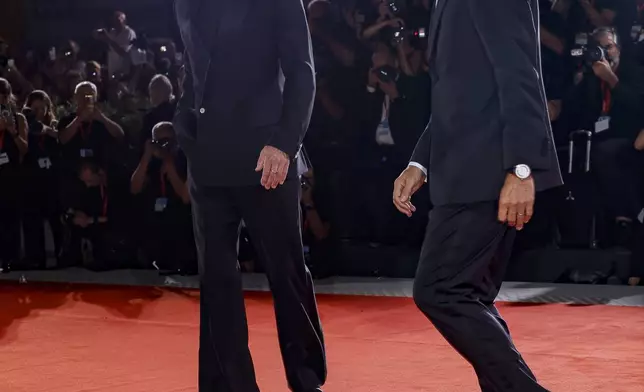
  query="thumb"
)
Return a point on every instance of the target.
[
  {"x": 260, "y": 163},
  {"x": 405, "y": 192}
]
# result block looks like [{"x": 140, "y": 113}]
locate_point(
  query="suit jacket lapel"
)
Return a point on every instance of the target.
[{"x": 434, "y": 26}]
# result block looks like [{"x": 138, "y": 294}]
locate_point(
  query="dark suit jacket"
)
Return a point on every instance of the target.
[
  {"x": 489, "y": 111},
  {"x": 249, "y": 83}
]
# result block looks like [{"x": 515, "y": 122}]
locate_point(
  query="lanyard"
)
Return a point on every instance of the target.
[
  {"x": 162, "y": 184},
  {"x": 606, "y": 98},
  {"x": 104, "y": 199}
]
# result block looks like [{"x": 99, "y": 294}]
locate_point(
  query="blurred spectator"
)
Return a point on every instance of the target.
[
  {"x": 119, "y": 39},
  {"x": 94, "y": 74},
  {"x": 41, "y": 201},
  {"x": 160, "y": 182},
  {"x": 316, "y": 231},
  {"x": 13, "y": 147}
]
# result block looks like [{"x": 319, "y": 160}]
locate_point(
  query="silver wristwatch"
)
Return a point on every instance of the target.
[{"x": 522, "y": 171}]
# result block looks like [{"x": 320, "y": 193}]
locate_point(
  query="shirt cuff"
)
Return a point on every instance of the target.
[{"x": 418, "y": 165}]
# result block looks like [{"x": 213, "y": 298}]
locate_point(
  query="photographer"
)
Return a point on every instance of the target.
[
  {"x": 160, "y": 182},
  {"x": 97, "y": 224},
  {"x": 13, "y": 147},
  {"x": 607, "y": 98},
  {"x": 87, "y": 133},
  {"x": 40, "y": 180}
]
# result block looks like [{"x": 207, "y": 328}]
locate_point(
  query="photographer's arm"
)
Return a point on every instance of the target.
[
  {"x": 551, "y": 41},
  {"x": 603, "y": 18},
  {"x": 67, "y": 133},
  {"x": 112, "y": 127},
  {"x": 140, "y": 176},
  {"x": 374, "y": 29},
  {"x": 178, "y": 184},
  {"x": 404, "y": 62},
  {"x": 21, "y": 135},
  {"x": 296, "y": 58},
  {"x": 508, "y": 30}
]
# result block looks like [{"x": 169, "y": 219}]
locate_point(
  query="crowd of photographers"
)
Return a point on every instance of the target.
[{"x": 93, "y": 152}]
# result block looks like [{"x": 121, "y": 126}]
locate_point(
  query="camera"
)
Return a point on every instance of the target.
[
  {"x": 5, "y": 112},
  {"x": 589, "y": 54},
  {"x": 162, "y": 143},
  {"x": 397, "y": 34},
  {"x": 394, "y": 6},
  {"x": 387, "y": 74}
]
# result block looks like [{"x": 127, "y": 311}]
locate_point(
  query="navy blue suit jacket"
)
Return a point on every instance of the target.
[
  {"x": 249, "y": 83},
  {"x": 489, "y": 109}
]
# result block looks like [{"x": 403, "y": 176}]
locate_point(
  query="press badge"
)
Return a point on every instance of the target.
[
  {"x": 602, "y": 124},
  {"x": 86, "y": 153},
  {"x": 161, "y": 204},
  {"x": 4, "y": 158},
  {"x": 44, "y": 163}
]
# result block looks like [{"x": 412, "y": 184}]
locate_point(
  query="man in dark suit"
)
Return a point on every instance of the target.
[
  {"x": 488, "y": 147},
  {"x": 247, "y": 101}
]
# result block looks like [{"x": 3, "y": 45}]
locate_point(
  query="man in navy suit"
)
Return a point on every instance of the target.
[
  {"x": 247, "y": 101},
  {"x": 486, "y": 151}
]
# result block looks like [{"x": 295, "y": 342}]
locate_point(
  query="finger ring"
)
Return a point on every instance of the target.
[{"x": 520, "y": 214}]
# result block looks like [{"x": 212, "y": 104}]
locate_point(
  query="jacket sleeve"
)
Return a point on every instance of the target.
[
  {"x": 296, "y": 60},
  {"x": 184, "y": 116},
  {"x": 420, "y": 155},
  {"x": 509, "y": 32}
]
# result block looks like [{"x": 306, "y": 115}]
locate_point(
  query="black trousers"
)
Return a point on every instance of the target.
[
  {"x": 273, "y": 221},
  {"x": 9, "y": 226},
  {"x": 34, "y": 215},
  {"x": 463, "y": 260}
]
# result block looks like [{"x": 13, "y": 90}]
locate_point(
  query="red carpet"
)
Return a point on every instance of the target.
[{"x": 96, "y": 339}]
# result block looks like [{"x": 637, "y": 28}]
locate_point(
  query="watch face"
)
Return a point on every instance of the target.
[{"x": 522, "y": 171}]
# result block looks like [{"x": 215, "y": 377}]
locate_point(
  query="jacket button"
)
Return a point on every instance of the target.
[{"x": 202, "y": 110}]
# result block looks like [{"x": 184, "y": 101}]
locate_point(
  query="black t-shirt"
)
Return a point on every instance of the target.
[
  {"x": 111, "y": 201},
  {"x": 9, "y": 165},
  {"x": 42, "y": 160},
  {"x": 92, "y": 141},
  {"x": 159, "y": 197}
]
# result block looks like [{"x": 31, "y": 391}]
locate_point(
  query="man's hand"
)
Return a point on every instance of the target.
[
  {"x": 274, "y": 164},
  {"x": 390, "y": 89},
  {"x": 81, "y": 219},
  {"x": 516, "y": 203},
  {"x": 409, "y": 181},
  {"x": 10, "y": 126},
  {"x": 603, "y": 71}
]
